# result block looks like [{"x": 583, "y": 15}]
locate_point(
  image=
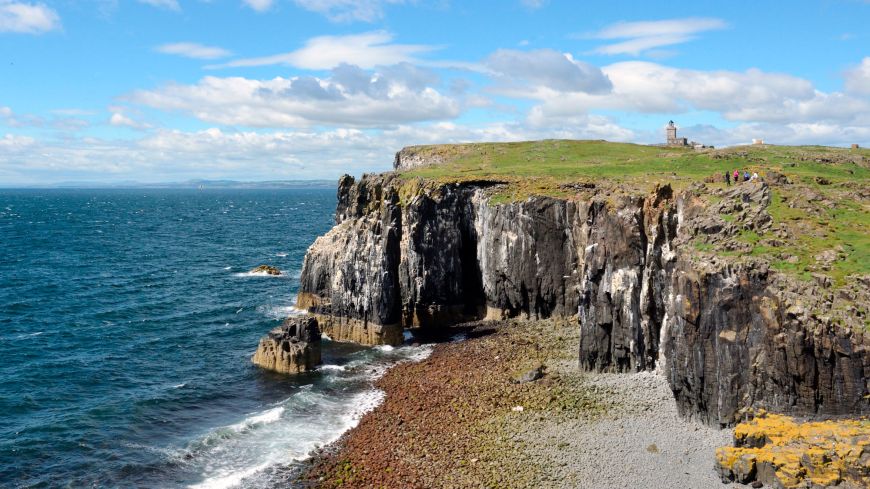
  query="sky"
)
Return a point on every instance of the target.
[{"x": 168, "y": 90}]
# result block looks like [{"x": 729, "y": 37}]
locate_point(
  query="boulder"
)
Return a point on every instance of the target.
[
  {"x": 530, "y": 375},
  {"x": 290, "y": 348}
]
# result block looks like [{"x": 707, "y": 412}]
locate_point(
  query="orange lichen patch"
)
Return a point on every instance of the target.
[{"x": 780, "y": 451}]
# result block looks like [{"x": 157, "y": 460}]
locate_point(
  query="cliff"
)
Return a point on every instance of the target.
[{"x": 658, "y": 279}]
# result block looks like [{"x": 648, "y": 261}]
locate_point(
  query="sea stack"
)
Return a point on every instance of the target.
[{"x": 291, "y": 348}]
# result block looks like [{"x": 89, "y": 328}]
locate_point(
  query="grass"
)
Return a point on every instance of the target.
[
  {"x": 539, "y": 167},
  {"x": 547, "y": 167}
]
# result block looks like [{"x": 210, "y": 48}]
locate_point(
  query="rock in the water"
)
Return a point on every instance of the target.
[
  {"x": 267, "y": 269},
  {"x": 290, "y": 348}
]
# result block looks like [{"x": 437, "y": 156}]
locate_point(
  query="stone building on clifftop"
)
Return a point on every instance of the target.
[{"x": 673, "y": 140}]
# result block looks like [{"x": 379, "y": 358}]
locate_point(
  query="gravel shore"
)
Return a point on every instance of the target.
[{"x": 467, "y": 417}]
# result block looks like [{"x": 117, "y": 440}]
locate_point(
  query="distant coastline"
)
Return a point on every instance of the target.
[{"x": 188, "y": 184}]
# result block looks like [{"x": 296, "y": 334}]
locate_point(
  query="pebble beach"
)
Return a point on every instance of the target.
[{"x": 507, "y": 407}]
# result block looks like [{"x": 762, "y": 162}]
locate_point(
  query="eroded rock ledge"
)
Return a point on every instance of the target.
[
  {"x": 727, "y": 332},
  {"x": 291, "y": 348}
]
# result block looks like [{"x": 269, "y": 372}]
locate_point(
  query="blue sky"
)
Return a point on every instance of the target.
[{"x": 166, "y": 90}]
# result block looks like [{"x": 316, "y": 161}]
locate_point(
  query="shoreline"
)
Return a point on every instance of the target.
[{"x": 465, "y": 417}]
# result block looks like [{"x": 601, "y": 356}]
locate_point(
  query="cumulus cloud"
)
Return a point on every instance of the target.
[
  {"x": 27, "y": 18},
  {"x": 639, "y": 37},
  {"x": 366, "y": 50},
  {"x": 259, "y": 5},
  {"x": 857, "y": 79},
  {"x": 193, "y": 50},
  {"x": 351, "y": 96},
  {"x": 752, "y": 95},
  {"x": 547, "y": 68},
  {"x": 348, "y": 10}
]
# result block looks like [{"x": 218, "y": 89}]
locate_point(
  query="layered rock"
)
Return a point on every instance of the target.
[
  {"x": 727, "y": 333},
  {"x": 293, "y": 347}
]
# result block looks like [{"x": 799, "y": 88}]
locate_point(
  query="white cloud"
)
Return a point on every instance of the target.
[
  {"x": 366, "y": 50},
  {"x": 165, "y": 4},
  {"x": 348, "y": 10},
  {"x": 259, "y": 5},
  {"x": 751, "y": 96},
  {"x": 120, "y": 119},
  {"x": 791, "y": 133},
  {"x": 27, "y": 18},
  {"x": 349, "y": 97},
  {"x": 646, "y": 35},
  {"x": 547, "y": 68},
  {"x": 857, "y": 79},
  {"x": 11, "y": 142},
  {"x": 193, "y": 50},
  {"x": 174, "y": 155}
]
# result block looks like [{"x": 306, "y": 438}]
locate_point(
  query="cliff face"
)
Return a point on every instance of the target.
[{"x": 726, "y": 334}]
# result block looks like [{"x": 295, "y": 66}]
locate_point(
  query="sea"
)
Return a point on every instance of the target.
[{"x": 127, "y": 322}]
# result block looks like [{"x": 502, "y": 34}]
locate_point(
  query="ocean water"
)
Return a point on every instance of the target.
[{"x": 127, "y": 322}]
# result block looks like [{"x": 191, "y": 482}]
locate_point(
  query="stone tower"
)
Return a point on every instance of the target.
[
  {"x": 672, "y": 139},
  {"x": 672, "y": 133}
]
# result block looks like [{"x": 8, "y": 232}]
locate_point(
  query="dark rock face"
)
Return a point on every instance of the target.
[
  {"x": 412, "y": 254},
  {"x": 290, "y": 348}
]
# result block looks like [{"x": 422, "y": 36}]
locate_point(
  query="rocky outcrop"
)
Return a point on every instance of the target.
[
  {"x": 412, "y": 157},
  {"x": 727, "y": 333},
  {"x": 291, "y": 348},
  {"x": 779, "y": 451}
]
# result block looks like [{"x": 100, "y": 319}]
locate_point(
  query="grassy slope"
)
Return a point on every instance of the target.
[{"x": 543, "y": 167}]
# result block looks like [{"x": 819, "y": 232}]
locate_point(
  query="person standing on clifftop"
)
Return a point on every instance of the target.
[
  {"x": 736, "y": 176},
  {"x": 727, "y": 178}
]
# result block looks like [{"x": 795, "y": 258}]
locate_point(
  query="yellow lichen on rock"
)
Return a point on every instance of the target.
[{"x": 783, "y": 452}]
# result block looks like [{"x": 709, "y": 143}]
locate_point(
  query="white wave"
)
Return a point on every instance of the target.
[
  {"x": 265, "y": 417},
  {"x": 241, "y": 455},
  {"x": 332, "y": 367},
  {"x": 228, "y": 268},
  {"x": 281, "y": 255},
  {"x": 325, "y": 336},
  {"x": 229, "y": 478},
  {"x": 385, "y": 348},
  {"x": 279, "y": 312},
  {"x": 179, "y": 386},
  {"x": 30, "y": 335},
  {"x": 419, "y": 353},
  {"x": 259, "y": 274},
  {"x": 363, "y": 403}
]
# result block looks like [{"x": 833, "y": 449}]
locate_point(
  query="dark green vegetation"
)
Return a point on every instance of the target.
[{"x": 820, "y": 194}]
